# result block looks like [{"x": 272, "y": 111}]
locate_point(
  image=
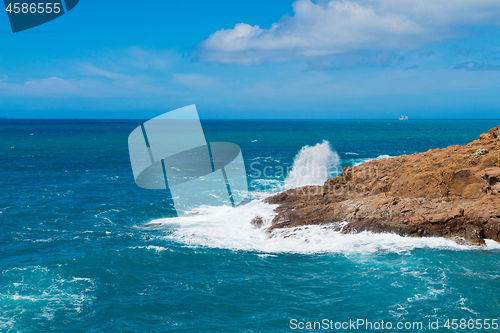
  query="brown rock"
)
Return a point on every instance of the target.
[
  {"x": 480, "y": 152},
  {"x": 494, "y": 132},
  {"x": 486, "y": 136},
  {"x": 492, "y": 176},
  {"x": 452, "y": 192},
  {"x": 257, "y": 222}
]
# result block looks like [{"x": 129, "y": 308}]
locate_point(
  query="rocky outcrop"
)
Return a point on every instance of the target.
[{"x": 452, "y": 192}]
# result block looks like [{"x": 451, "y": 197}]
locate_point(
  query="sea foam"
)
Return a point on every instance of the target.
[{"x": 230, "y": 228}]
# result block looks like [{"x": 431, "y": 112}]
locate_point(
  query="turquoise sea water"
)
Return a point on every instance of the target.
[{"x": 73, "y": 260}]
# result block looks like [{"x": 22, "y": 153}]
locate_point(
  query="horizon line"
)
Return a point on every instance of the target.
[{"x": 298, "y": 119}]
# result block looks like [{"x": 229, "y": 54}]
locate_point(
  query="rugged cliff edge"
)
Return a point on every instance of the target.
[{"x": 452, "y": 192}]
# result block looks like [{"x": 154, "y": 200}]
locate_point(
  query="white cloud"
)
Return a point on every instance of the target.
[
  {"x": 147, "y": 59},
  {"x": 197, "y": 81},
  {"x": 90, "y": 69},
  {"x": 52, "y": 86},
  {"x": 129, "y": 73},
  {"x": 330, "y": 28},
  {"x": 82, "y": 87}
]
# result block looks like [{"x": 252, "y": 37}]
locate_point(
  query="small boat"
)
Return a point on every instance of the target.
[{"x": 403, "y": 117}]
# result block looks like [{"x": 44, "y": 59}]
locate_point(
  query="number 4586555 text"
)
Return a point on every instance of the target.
[{"x": 33, "y": 8}]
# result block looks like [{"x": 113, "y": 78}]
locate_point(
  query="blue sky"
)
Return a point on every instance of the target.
[{"x": 257, "y": 59}]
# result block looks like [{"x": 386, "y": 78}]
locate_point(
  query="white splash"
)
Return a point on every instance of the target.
[
  {"x": 230, "y": 228},
  {"x": 313, "y": 165}
]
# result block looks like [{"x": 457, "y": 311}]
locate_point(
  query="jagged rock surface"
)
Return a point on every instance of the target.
[{"x": 452, "y": 192}]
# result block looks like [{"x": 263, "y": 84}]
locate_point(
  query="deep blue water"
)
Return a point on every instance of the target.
[{"x": 73, "y": 260}]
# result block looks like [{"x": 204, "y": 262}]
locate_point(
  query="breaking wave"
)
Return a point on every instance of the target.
[
  {"x": 313, "y": 165},
  {"x": 231, "y": 228}
]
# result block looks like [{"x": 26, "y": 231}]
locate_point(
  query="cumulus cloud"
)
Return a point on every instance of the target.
[{"x": 331, "y": 28}]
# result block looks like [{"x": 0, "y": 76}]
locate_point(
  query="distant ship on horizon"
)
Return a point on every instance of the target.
[{"x": 403, "y": 117}]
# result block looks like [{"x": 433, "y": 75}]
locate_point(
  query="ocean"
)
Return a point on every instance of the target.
[{"x": 75, "y": 257}]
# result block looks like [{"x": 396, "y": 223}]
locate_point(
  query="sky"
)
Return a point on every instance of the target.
[{"x": 253, "y": 59}]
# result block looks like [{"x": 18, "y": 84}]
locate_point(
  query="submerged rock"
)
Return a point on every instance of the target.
[
  {"x": 257, "y": 222},
  {"x": 452, "y": 192}
]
